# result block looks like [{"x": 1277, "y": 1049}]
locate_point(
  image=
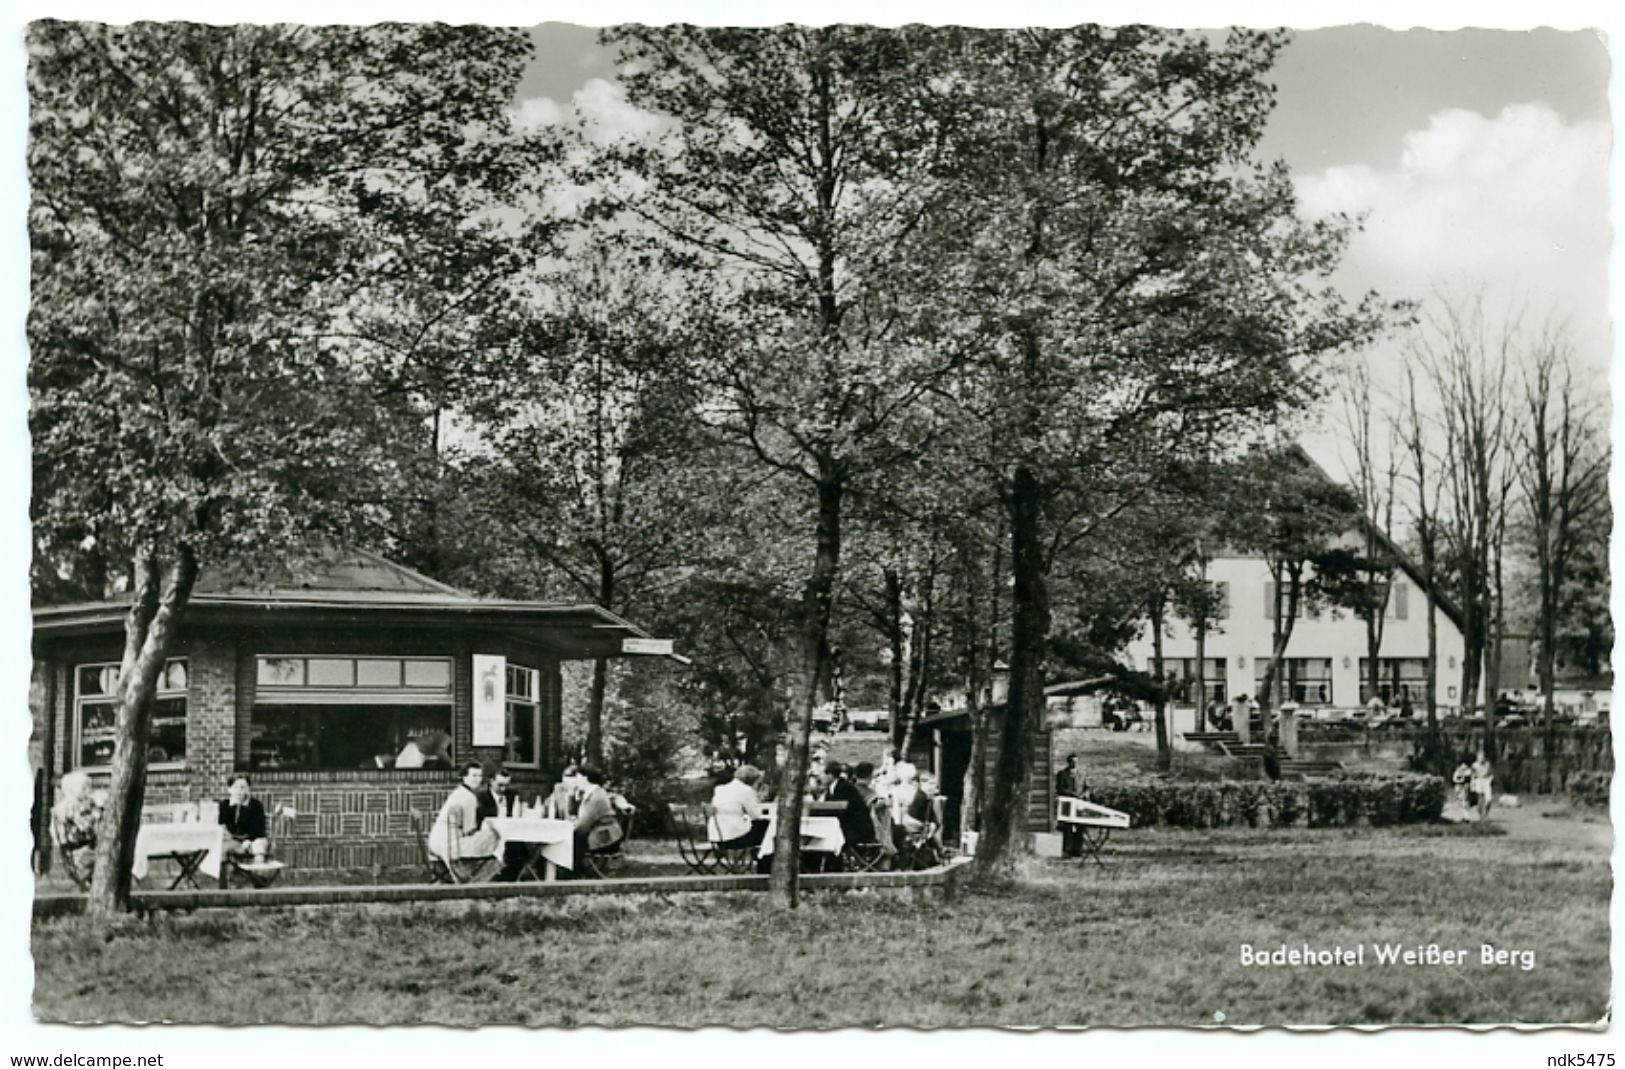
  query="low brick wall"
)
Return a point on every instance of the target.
[
  {"x": 347, "y": 821},
  {"x": 930, "y": 885}
]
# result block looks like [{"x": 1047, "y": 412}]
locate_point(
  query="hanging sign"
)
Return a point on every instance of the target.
[
  {"x": 490, "y": 700},
  {"x": 659, "y": 647}
]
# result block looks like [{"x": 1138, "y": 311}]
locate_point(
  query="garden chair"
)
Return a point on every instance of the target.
[
  {"x": 606, "y": 861},
  {"x": 923, "y": 849},
  {"x": 459, "y": 870},
  {"x": 864, "y": 857},
  {"x": 693, "y": 840},
  {"x": 261, "y": 872},
  {"x": 736, "y": 861}
]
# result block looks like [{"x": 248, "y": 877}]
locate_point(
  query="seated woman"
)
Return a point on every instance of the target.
[
  {"x": 457, "y": 832},
  {"x": 243, "y": 818},
  {"x": 596, "y": 826},
  {"x": 76, "y": 812},
  {"x": 74, "y": 818},
  {"x": 738, "y": 807}
]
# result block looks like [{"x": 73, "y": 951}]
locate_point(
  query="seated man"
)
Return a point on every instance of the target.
[
  {"x": 596, "y": 825},
  {"x": 457, "y": 833},
  {"x": 876, "y": 825},
  {"x": 243, "y": 818},
  {"x": 565, "y": 797},
  {"x": 738, "y": 807},
  {"x": 498, "y": 800}
]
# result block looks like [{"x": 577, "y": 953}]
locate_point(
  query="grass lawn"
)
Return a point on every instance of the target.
[{"x": 1156, "y": 940}]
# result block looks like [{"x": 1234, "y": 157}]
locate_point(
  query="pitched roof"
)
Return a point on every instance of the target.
[{"x": 353, "y": 584}]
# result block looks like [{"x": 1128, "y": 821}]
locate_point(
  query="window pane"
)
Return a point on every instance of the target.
[
  {"x": 428, "y": 673},
  {"x": 330, "y": 672},
  {"x": 96, "y": 733},
  {"x": 339, "y": 736},
  {"x": 97, "y": 680},
  {"x": 174, "y": 676},
  {"x": 281, "y": 672},
  {"x": 523, "y": 739},
  {"x": 168, "y": 739},
  {"x": 377, "y": 672}
]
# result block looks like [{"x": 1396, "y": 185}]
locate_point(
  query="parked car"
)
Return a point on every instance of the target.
[{"x": 869, "y": 719}]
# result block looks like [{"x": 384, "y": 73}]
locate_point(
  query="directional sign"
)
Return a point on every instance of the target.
[{"x": 658, "y": 647}]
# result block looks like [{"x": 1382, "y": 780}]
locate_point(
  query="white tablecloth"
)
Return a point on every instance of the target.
[
  {"x": 819, "y": 835},
  {"x": 154, "y": 840},
  {"x": 556, "y": 837}
]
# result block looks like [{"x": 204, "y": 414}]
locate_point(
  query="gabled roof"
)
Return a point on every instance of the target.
[
  {"x": 352, "y": 586},
  {"x": 1367, "y": 528}
]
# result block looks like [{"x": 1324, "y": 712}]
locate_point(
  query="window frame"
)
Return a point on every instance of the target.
[
  {"x": 76, "y": 753},
  {"x": 355, "y": 694},
  {"x": 534, "y": 702}
]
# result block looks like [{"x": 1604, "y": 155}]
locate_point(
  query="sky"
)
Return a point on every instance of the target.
[
  {"x": 1477, "y": 159},
  {"x": 1479, "y": 153}
]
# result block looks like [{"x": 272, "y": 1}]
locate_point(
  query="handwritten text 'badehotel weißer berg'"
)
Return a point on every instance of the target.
[{"x": 1429, "y": 954}]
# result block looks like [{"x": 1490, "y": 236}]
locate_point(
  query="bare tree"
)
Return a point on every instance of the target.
[
  {"x": 1467, "y": 359},
  {"x": 1414, "y": 435},
  {"x": 1563, "y": 472},
  {"x": 1375, "y": 479}
]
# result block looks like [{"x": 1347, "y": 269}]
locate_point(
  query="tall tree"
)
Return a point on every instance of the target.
[
  {"x": 1366, "y": 585},
  {"x": 1467, "y": 358},
  {"x": 1132, "y": 274},
  {"x": 210, "y": 209},
  {"x": 1302, "y": 518},
  {"x": 589, "y": 453},
  {"x": 1563, "y": 472},
  {"x": 795, "y": 166},
  {"x": 1415, "y": 432}
]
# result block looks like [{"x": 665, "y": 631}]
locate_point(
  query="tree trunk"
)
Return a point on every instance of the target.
[
  {"x": 1201, "y": 668},
  {"x": 981, "y": 673},
  {"x": 1004, "y": 819},
  {"x": 156, "y": 609},
  {"x": 600, "y": 673},
  {"x": 1159, "y": 668},
  {"x": 894, "y": 625},
  {"x": 816, "y": 600}
]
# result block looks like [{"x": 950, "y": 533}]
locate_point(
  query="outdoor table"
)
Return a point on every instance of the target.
[
  {"x": 1093, "y": 822},
  {"x": 194, "y": 846},
  {"x": 549, "y": 841},
  {"x": 819, "y": 835}
]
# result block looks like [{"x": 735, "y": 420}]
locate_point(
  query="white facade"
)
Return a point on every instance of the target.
[{"x": 1328, "y": 648}]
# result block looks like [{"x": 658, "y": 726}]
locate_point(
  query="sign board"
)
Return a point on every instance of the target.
[
  {"x": 490, "y": 700},
  {"x": 659, "y": 647}
]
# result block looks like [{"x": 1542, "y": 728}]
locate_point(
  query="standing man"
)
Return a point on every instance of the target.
[{"x": 1069, "y": 784}]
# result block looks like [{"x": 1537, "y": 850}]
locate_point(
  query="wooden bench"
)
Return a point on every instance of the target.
[{"x": 1211, "y": 738}]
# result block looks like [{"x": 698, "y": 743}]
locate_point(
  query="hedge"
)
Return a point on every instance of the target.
[
  {"x": 1590, "y": 788},
  {"x": 1401, "y": 798}
]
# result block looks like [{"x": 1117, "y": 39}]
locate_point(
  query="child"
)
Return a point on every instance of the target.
[{"x": 1461, "y": 777}]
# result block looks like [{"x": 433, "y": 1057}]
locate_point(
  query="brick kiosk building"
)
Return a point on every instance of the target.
[{"x": 313, "y": 686}]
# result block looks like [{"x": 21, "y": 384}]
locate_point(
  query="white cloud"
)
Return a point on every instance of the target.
[
  {"x": 1517, "y": 203},
  {"x": 599, "y": 106}
]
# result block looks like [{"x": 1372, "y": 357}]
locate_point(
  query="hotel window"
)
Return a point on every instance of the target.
[
  {"x": 1305, "y": 680},
  {"x": 96, "y": 711},
  {"x": 1183, "y": 669},
  {"x": 524, "y": 748},
  {"x": 330, "y": 712},
  {"x": 1398, "y": 678}
]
